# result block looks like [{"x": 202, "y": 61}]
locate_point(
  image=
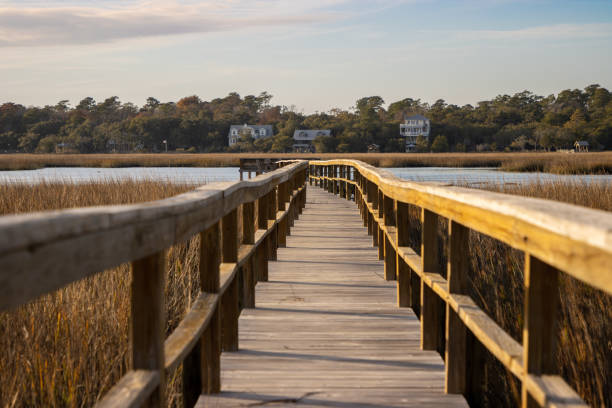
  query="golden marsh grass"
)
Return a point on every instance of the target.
[
  {"x": 69, "y": 347},
  {"x": 563, "y": 163}
]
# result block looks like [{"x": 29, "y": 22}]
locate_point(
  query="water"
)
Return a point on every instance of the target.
[
  {"x": 477, "y": 176},
  {"x": 202, "y": 175},
  {"x": 181, "y": 175}
]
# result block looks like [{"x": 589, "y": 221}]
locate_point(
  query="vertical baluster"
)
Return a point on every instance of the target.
[
  {"x": 430, "y": 311},
  {"x": 262, "y": 251},
  {"x": 273, "y": 236},
  {"x": 148, "y": 320},
  {"x": 210, "y": 258},
  {"x": 283, "y": 224},
  {"x": 248, "y": 238},
  {"x": 403, "y": 240},
  {"x": 229, "y": 300},
  {"x": 541, "y": 302},
  {"x": 381, "y": 218},
  {"x": 456, "y": 332},
  {"x": 373, "y": 192},
  {"x": 389, "y": 219}
]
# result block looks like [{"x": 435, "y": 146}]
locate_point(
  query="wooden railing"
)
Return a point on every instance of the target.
[
  {"x": 42, "y": 252},
  {"x": 555, "y": 238}
]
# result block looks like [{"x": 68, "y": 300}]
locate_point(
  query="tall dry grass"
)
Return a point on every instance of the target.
[
  {"x": 584, "y": 332},
  {"x": 69, "y": 347},
  {"x": 580, "y": 163}
]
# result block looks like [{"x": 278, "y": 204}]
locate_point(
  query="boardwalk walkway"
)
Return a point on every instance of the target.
[{"x": 326, "y": 331}]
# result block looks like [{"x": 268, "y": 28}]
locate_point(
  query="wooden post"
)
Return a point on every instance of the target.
[
  {"x": 430, "y": 312},
  {"x": 389, "y": 219},
  {"x": 403, "y": 240},
  {"x": 210, "y": 258},
  {"x": 283, "y": 224},
  {"x": 248, "y": 238},
  {"x": 373, "y": 196},
  {"x": 262, "y": 224},
  {"x": 148, "y": 320},
  {"x": 272, "y": 237},
  {"x": 539, "y": 337},
  {"x": 229, "y": 301},
  {"x": 456, "y": 332},
  {"x": 248, "y": 223}
]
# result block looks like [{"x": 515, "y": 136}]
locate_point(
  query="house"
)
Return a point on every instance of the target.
[
  {"x": 256, "y": 131},
  {"x": 581, "y": 146},
  {"x": 302, "y": 139},
  {"x": 413, "y": 127}
]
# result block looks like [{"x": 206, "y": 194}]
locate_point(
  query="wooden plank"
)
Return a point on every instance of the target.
[
  {"x": 326, "y": 323},
  {"x": 148, "y": 320},
  {"x": 541, "y": 303},
  {"x": 456, "y": 333},
  {"x": 552, "y": 391},
  {"x": 210, "y": 354},
  {"x": 42, "y": 252},
  {"x": 431, "y": 314},
  {"x": 574, "y": 239},
  {"x": 132, "y": 390},
  {"x": 190, "y": 329}
]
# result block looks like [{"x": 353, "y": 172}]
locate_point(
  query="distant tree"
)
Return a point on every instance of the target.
[
  {"x": 421, "y": 144},
  {"x": 440, "y": 144}
]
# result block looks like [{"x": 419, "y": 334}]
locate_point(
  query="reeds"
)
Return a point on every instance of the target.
[
  {"x": 563, "y": 163},
  {"x": 69, "y": 347}
]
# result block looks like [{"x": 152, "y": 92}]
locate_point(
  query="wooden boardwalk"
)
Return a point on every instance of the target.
[{"x": 326, "y": 331}]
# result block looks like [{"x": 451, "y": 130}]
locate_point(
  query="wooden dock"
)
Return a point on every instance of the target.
[{"x": 326, "y": 330}]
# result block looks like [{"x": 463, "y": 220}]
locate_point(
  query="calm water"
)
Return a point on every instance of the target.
[
  {"x": 201, "y": 175},
  {"x": 183, "y": 175},
  {"x": 476, "y": 176}
]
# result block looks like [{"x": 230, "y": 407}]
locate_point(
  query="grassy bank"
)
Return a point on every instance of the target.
[
  {"x": 562, "y": 163},
  {"x": 70, "y": 347}
]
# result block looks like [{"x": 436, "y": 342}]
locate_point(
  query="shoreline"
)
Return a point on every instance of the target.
[{"x": 598, "y": 163}]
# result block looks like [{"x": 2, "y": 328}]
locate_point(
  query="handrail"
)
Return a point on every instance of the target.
[
  {"x": 555, "y": 237},
  {"x": 42, "y": 252}
]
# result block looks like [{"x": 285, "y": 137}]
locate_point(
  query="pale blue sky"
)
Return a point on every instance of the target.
[{"x": 316, "y": 54}]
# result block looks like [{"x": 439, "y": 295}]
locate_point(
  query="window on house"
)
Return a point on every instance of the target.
[
  {"x": 262, "y": 132},
  {"x": 234, "y": 132}
]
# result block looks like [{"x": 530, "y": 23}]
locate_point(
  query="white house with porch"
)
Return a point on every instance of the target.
[
  {"x": 256, "y": 131},
  {"x": 413, "y": 127}
]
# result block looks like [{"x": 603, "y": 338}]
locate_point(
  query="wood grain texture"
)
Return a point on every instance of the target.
[
  {"x": 326, "y": 331},
  {"x": 574, "y": 239},
  {"x": 42, "y": 252},
  {"x": 148, "y": 320},
  {"x": 132, "y": 390}
]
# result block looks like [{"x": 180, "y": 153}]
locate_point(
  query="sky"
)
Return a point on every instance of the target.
[{"x": 314, "y": 55}]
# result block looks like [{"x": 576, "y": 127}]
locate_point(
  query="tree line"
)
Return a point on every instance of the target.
[{"x": 523, "y": 121}]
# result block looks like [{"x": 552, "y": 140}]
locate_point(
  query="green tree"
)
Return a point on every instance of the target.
[{"x": 440, "y": 144}]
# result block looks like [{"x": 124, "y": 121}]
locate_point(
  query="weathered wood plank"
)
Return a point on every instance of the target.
[
  {"x": 132, "y": 390},
  {"x": 326, "y": 323},
  {"x": 574, "y": 239}
]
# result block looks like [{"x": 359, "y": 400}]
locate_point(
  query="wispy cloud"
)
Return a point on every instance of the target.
[
  {"x": 66, "y": 23},
  {"x": 549, "y": 32}
]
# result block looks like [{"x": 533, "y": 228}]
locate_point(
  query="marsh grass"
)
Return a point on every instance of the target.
[
  {"x": 563, "y": 163},
  {"x": 68, "y": 348}
]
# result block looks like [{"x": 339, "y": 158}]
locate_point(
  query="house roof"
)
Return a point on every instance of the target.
[
  {"x": 581, "y": 143},
  {"x": 310, "y": 134},
  {"x": 415, "y": 117}
]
